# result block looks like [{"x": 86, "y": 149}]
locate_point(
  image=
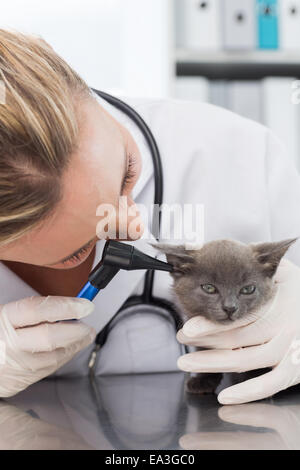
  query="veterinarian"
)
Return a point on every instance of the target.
[{"x": 63, "y": 150}]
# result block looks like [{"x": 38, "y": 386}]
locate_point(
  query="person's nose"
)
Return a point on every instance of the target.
[
  {"x": 131, "y": 216},
  {"x": 123, "y": 222}
]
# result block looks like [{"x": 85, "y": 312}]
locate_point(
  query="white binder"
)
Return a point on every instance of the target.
[
  {"x": 191, "y": 88},
  {"x": 198, "y": 24},
  {"x": 289, "y": 24},
  {"x": 281, "y": 115},
  {"x": 239, "y": 24},
  {"x": 218, "y": 93},
  {"x": 244, "y": 98}
]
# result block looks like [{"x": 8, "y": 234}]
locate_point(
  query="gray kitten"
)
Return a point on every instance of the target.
[{"x": 222, "y": 281}]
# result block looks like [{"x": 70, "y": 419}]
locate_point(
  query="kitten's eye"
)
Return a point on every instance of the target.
[
  {"x": 248, "y": 289},
  {"x": 209, "y": 288}
]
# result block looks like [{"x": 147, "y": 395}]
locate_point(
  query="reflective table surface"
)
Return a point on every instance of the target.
[{"x": 145, "y": 411}]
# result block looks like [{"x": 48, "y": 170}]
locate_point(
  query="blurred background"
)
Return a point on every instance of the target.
[{"x": 243, "y": 55}]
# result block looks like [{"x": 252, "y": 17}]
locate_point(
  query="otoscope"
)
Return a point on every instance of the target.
[{"x": 116, "y": 256}]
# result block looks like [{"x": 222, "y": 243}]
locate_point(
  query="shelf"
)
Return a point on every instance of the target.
[
  {"x": 249, "y": 57},
  {"x": 233, "y": 65}
]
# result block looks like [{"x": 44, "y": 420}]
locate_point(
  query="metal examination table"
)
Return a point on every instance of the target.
[{"x": 146, "y": 411}]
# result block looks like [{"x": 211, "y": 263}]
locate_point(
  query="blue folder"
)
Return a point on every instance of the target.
[{"x": 267, "y": 17}]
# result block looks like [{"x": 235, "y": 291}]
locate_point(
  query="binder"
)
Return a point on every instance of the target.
[
  {"x": 239, "y": 24},
  {"x": 192, "y": 88},
  {"x": 244, "y": 98},
  {"x": 218, "y": 93},
  {"x": 198, "y": 24},
  {"x": 267, "y": 17},
  {"x": 281, "y": 115},
  {"x": 289, "y": 24}
]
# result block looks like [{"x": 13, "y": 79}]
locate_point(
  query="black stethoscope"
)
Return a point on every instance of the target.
[{"x": 117, "y": 255}]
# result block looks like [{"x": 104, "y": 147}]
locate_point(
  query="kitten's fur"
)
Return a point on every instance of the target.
[{"x": 229, "y": 266}]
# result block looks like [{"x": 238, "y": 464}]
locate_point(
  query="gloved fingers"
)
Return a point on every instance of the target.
[
  {"x": 54, "y": 360},
  {"x": 30, "y": 368},
  {"x": 51, "y": 336},
  {"x": 64, "y": 356},
  {"x": 225, "y": 360},
  {"x": 44, "y": 363},
  {"x": 198, "y": 326},
  {"x": 244, "y": 336},
  {"x": 285, "y": 269},
  {"x": 258, "y": 388},
  {"x": 34, "y": 310}
]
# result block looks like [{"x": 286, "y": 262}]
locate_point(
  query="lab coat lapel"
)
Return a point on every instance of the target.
[{"x": 13, "y": 288}]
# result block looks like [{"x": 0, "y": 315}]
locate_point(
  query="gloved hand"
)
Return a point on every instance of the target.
[
  {"x": 34, "y": 342},
  {"x": 270, "y": 338}
]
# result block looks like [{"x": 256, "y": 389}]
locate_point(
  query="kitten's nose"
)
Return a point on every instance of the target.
[{"x": 229, "y": 310}]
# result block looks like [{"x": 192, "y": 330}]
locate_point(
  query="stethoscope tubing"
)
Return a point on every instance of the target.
[{"x": 147, "y": 295}]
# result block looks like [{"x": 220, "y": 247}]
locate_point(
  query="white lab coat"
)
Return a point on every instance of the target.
[{"x": 251, "y": 192}]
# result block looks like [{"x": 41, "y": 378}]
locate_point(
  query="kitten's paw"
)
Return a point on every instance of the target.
[{"x": 203, "y": 384}]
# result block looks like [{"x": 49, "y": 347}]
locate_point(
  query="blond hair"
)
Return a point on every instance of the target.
[{"x": 38, "y": 130}]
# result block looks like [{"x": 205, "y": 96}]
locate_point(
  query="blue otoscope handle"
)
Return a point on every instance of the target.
[{"x": 88, "y": 291}]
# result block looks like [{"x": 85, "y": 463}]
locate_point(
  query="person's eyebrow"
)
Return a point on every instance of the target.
[{"x": 72, "y": 254}]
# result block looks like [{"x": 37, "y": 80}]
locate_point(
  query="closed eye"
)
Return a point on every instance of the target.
[
  {"x": 78, "y": 256},
  {"x": 130, "y": 173}
]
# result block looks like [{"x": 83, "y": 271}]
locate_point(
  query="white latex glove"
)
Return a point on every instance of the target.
[
  {"x": 34, "y": 342},
  {"x": 270, "y": 339}
]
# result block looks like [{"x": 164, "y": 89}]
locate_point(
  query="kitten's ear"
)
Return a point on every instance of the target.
[
  {"x": 270, "y": 254},
  {"x": 177, "y": 255}
]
